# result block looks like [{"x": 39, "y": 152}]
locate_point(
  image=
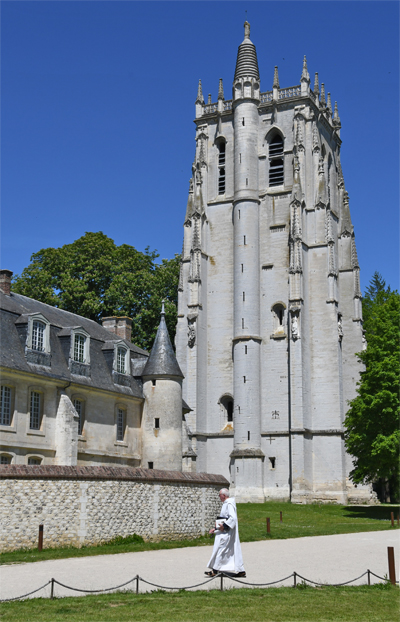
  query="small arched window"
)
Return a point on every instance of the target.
[
  {"x": 79, "y": 348},
  {"x": 221, "y": 167},
  {"x": 276, "y": 169},
  {"x": 5, "y": 459},
  {"x": 227, "y": 404},
  {"x": 278, "y": 311}
]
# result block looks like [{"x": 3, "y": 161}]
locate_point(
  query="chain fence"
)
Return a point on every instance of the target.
[{"x": 220, "y": 575}]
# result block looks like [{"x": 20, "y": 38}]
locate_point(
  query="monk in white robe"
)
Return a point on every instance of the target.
[{"x": 227, "y": 553}]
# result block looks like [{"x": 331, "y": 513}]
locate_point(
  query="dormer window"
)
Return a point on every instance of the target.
[
  {"x": 121, "y": 359},
  {"x": 38, "y": 330},
  {"x": 80, "y": 346},
  {"x": 38, "y": 338},
  {"x": 276, "y": 169}
]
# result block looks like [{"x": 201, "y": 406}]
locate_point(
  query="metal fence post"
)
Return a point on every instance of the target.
[
  {"x": 268, "y": 526},
  {"x": 369, "y": 576},
  {"x": 392, "y": 518},
  {"x": 137, "y": 584},
  {"x": 222, "y": 583},
  {"x": 280, "y": 517},
  {"x": 52, "y": 589},
  {"x": 40, "y": 541},
  {"x": 294, "y": 579},
  {"x": 392, "y": 570}
]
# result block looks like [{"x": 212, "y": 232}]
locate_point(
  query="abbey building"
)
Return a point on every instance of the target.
[{"x": 269, "y": 316}]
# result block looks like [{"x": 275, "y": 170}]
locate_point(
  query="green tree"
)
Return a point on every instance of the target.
[
  {"x": 95, "y": 278},
  {"x": 372, "y": 423}
]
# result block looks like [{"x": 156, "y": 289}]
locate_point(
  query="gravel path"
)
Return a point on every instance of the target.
[{"x": 324, "y": 559}]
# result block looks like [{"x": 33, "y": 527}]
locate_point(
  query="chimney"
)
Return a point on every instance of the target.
[
  {"x": 5, "y": 281},
  {"x": 121, "y": 326}
]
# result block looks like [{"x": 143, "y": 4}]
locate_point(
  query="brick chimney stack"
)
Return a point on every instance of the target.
[
  {"x": 5, "y": 281},
  {"x": 121, "y": 326}
]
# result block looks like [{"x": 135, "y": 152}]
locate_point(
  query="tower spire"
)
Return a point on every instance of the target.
[
  {"x": 246, "y": 63},
  {"x": 336, "y": 118},
  {"x": 220, "y": 90},
  {"x": 305, "y": 78},
  {"x": 276, "y": 78},
  {"x": 200, "y": 98},
  {"x": 329, "y": 104},
  {"x": 316, "y": 86},
  {"x": 323, "y": 102}
]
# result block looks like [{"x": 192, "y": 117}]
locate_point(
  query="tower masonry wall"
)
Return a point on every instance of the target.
[{"x": 282, "y": 300}]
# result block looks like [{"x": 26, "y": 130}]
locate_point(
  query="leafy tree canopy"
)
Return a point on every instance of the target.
[
  {"x": 372, "y": 422},
  {"x": 95, "y": 278}
]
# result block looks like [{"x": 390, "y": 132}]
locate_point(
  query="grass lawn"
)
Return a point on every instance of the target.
[
  {"x": 298, "y": 521},
  {"x": 378, "y": 603}
]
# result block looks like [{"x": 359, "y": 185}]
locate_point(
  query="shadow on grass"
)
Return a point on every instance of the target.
[{"x": 376, "y": 512}]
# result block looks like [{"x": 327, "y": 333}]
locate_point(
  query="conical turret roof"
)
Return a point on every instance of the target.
[
  {"x": 246, "y": 63},
  {"x": 162, "y": 360}
]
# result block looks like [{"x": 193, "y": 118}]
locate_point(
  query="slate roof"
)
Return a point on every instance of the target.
[
  {"x": 162, "y": 360},
  {"x": 14, "y": 311}
]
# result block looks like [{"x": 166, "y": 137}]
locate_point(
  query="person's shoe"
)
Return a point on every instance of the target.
[
  {"x": 211, "y": 573},
  {"x": 241, "y": 574}
]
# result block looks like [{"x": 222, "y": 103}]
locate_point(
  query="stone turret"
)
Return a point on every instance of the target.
[
  {"x": 162, "y": 413},
  {"x": 247, "y": 455}
]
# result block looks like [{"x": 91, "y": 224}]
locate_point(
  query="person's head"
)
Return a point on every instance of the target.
[{"x": 224, "y": 494}]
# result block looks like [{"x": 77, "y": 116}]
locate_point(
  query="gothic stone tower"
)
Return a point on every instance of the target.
[{"x": 269, "y": 312}]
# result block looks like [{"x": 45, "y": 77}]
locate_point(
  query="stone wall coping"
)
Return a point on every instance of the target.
[{"x": 16, "y": 471}]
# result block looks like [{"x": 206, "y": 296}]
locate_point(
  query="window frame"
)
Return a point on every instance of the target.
[
  {"x": 10, "y": 457},
  {"x": 34, "y": 457},
  {"x": 121, "y": 345},
  {"x": 11, "y": 406},
  {"x": 120, "y": 434},
  {"x": 38, "y": 317},
  {"x": 273, "y": 157},
  {"x": 279, "y": 327},
  {"x": 82, "y": 414},
  {"x": 80, "y": 332},
  {"x": 221, "y": 167}
]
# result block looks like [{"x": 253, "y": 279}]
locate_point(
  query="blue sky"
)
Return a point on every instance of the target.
[{"x": 98, "y": 108}]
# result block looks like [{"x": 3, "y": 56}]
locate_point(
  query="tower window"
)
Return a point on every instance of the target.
[
  {"x": 244, "y": 379},
  {"x": 150, "y": 465},
  {"x": 244, "y": 296},
  {"x": 153, "y": 382},
  {"x": 242, "y": 322},
  {"x": 248, "y": 436},
  {"x": 243, "y": 121},
  {"x": 157, "y": 423},
  {"x": 221, "y": 168},
  {"x": 245, "y": 349},
  {"x": 276, "y": 171},
  {"x": 278, "y": 311},
  {"x": 244, "y": 240},
  {"x": 242, "y": 267},
  {"x": 272, "y": 463}
]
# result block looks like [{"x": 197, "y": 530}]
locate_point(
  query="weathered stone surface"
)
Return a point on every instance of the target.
[{"x": 88, "y": 505}]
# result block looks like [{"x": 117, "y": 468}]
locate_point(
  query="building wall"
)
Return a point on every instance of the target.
[
  {"x": 80, "y": 508},
  {"x": 98, "y": 442}
]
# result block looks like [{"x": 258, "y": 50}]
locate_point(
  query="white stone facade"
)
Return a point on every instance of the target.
[{"x": 269, "y": 316}]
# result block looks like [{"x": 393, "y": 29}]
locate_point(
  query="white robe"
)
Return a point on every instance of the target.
[{"x": 227, "y": 554}]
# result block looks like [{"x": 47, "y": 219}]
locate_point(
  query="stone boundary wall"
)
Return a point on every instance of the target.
[{"x": 88, "y": 505}]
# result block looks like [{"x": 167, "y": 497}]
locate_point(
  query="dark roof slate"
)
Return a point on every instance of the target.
[
  {"x": 162, "y": 360},
  {"x": 15, "y": 310}
]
